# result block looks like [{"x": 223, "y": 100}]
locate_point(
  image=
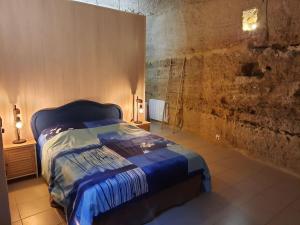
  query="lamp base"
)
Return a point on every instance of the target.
[
  {"x": 20, "y": 141},
  {"x": 138, "y": 122}
]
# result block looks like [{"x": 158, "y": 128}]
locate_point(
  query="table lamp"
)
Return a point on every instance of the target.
[
  {"x": 140, "y": 110},
  {"x": 19, "y": 125}
]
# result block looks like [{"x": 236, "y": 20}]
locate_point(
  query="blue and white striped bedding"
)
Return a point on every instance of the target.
[{"x": 93, "y": 167}]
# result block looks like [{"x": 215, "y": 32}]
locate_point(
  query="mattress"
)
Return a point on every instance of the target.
[{"x": 94, "y": 168}]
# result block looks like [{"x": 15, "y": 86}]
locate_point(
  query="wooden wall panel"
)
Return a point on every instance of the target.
[{"x": 55, "y": 51}]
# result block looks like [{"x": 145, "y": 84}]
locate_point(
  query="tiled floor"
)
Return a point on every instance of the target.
[{"x": 244, "y": 192}]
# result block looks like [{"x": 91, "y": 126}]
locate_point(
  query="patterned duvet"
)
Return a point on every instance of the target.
[{"x": 93, "y": 167}]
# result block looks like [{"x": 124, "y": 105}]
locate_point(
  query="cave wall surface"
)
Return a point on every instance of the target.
[{"x": 241, "y": 86}]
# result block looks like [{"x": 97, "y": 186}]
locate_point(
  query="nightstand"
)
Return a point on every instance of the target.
[
  {"x": 20, "y": 160},
  {"x": 145, "y": 125}
]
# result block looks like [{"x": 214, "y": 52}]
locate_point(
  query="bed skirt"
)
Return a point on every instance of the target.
[{"x": 144, "y": 210}]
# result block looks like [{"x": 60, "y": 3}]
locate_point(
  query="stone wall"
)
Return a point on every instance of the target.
[{"x": 243, "y": 87}]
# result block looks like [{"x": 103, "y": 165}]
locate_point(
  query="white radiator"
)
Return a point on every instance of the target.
[{"x": 156, "y": 109}]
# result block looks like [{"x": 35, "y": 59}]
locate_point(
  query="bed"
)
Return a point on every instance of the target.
[{"x": 102, "y": 170}]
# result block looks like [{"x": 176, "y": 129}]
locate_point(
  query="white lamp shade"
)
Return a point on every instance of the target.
[
  {"x": 141, "y": 110},
  {"x": 19, "y": 124}
]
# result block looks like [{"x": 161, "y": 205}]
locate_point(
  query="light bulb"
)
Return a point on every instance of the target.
[
  {"x": 141, "y": 110},
  {"x": 19, "y": 124},
  {"x": 253, "y": 26}
]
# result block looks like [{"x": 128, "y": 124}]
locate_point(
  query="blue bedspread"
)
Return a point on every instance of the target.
[{"x": 94, "y": 167}]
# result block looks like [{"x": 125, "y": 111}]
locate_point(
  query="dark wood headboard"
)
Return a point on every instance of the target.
[{"x": 78, "y": 111}]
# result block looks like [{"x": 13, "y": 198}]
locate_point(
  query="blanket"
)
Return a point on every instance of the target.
[{"x": 94, "y": 167}]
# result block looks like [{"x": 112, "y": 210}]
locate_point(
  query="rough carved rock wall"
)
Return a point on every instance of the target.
[{"x": 243, "y": 86}]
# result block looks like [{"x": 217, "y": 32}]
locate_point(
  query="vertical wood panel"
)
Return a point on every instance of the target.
[{"x": 54, "y": 51}]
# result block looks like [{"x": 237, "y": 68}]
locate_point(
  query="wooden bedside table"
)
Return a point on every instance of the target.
[
  {"x": 20, "y": 160},
  {"x": 145, "y": 125}
]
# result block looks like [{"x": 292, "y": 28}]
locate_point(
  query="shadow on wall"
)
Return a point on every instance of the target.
[{"x": 10, "y": 84}]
